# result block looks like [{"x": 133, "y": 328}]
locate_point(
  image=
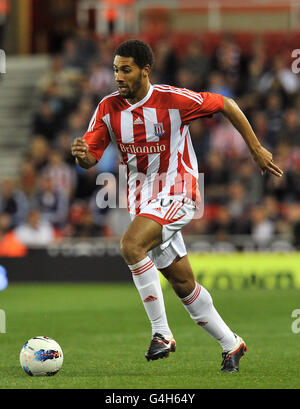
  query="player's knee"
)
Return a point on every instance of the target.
[{"x": 131, "y": 251}]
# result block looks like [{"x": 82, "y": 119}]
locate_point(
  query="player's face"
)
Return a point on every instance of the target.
[{"x": 130, "y": 78}]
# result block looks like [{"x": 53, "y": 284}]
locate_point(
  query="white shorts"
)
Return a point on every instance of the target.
[{"x": 172, "y": 215}]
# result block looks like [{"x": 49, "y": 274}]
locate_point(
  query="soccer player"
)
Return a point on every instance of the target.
[{"x": 149, "y": 125}]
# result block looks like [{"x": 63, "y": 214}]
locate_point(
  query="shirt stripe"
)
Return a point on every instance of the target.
[{"x": 127, "y": 137}]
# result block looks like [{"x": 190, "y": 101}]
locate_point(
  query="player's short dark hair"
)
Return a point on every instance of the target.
[{"x": 141, "y": 52}]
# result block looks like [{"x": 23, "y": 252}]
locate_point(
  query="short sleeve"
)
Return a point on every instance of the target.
[
  {"x": 97, "y": 135},
  {"x": 201, "y": 104}
]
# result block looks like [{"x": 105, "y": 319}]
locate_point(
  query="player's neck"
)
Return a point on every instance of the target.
[{"x": 141, "y": 93}]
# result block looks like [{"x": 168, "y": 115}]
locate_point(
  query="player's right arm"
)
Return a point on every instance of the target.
[
  {"x": 88, "y": 149},
  {"x": 80, "y": 150}
]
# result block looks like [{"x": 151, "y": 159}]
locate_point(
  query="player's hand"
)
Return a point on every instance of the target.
[
  {"x": 80, "y": 148},
  {"x": 264, "y": 159}
]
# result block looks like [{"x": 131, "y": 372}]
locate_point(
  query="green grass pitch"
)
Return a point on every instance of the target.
[{"x": 104, "y": 333}]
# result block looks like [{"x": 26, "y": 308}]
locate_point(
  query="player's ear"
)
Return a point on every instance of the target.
[{"x": 146, "y": 70}]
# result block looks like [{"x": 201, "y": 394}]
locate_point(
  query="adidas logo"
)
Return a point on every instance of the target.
[
  {"x": 138, "y": 121},
  {"x": 150, "y": 298},
  {"x": 158, "y": 209}
]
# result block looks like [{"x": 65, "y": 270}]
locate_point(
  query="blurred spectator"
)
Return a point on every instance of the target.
[
  {"x": 256, "y": 69},
  {"x": 86, "y": 182},
  {"x": 283, "y": 154},
  {"x": 272, "y": 208},
  {"x": 274, "y": 113},
  {"x": 13, "y": 202},
  {"x": 79, "y": 51},
  {"x": 238, "y": 200},
  {"x": 35, "y": 231},
  {"x": 228, "y": 55},
  {"x": 117, "y": 220},
  {"x": 99, "y": 205},
  {"x": 86, "y": 46},
  {"x": 62, "y": 143},
  {"x": 280, "y": 76},
  {"x": 77, "y": 124},
  {"x": 86, "y": 107},
  {"x": 228, "y": 61},
  {"x": 65, "y": 80},
  {"x": 293, "y": 218},
  {"x": 101, "y": 80},
  {"x": 37, "y": 153},
  {"x": 196, "y": 65},
  {"x": 185, "y": 80},
  {"x": 201, "y": 140},
  {"x": 226, "y": 140},
  {"x": 10, "y": 245},
  {"x": 52, "y": 203},
  {"x": 198, "y": 226},
  {"x": 222, "y": 224},
  {"x": 62, "y": 175},
  {"x": 218, "y": 84},
  {"x": 166, "y": 63},
  {"x": 71, "y": 57},
  {"x": 260, "y": 126},
  {"x": 258, "y": 49},
  {"x": 28, "y": 178},
  {"x": 262, "y": 228},
  {"x": 45, "y": 122},
  {"x": 286, "y": 188},
  {"x": 290, "y": 133},
  {"x": 58, "y": 104},
  {"x": 81, "y": 222},
  {"x": 250, "y": 178},
  {"x": 282, "y": 189},
  {"x": 256, "y": 65},
  {"x": 216, "y": 177},
  {"x": 5, "y": 223}
]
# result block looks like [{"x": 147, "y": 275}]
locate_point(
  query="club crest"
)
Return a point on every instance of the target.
[{"x": 159, "y": 129}]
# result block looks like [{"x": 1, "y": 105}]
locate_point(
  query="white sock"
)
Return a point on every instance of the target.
[
  {"x": 146, "y": 279},
  {"x": 200, "y": 306}
]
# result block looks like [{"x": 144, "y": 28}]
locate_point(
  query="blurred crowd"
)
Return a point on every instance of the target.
[{"x": 55, "y": 199}]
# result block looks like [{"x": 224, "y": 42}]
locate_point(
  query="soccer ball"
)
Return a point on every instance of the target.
[{"x": 41, "y": 356}]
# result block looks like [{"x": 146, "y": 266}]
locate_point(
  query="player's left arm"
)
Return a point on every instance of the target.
[{"x": 261, "y": 156}]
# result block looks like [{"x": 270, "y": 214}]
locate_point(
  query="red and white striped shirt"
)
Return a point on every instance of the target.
[{"x": 153, "y": 140}]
